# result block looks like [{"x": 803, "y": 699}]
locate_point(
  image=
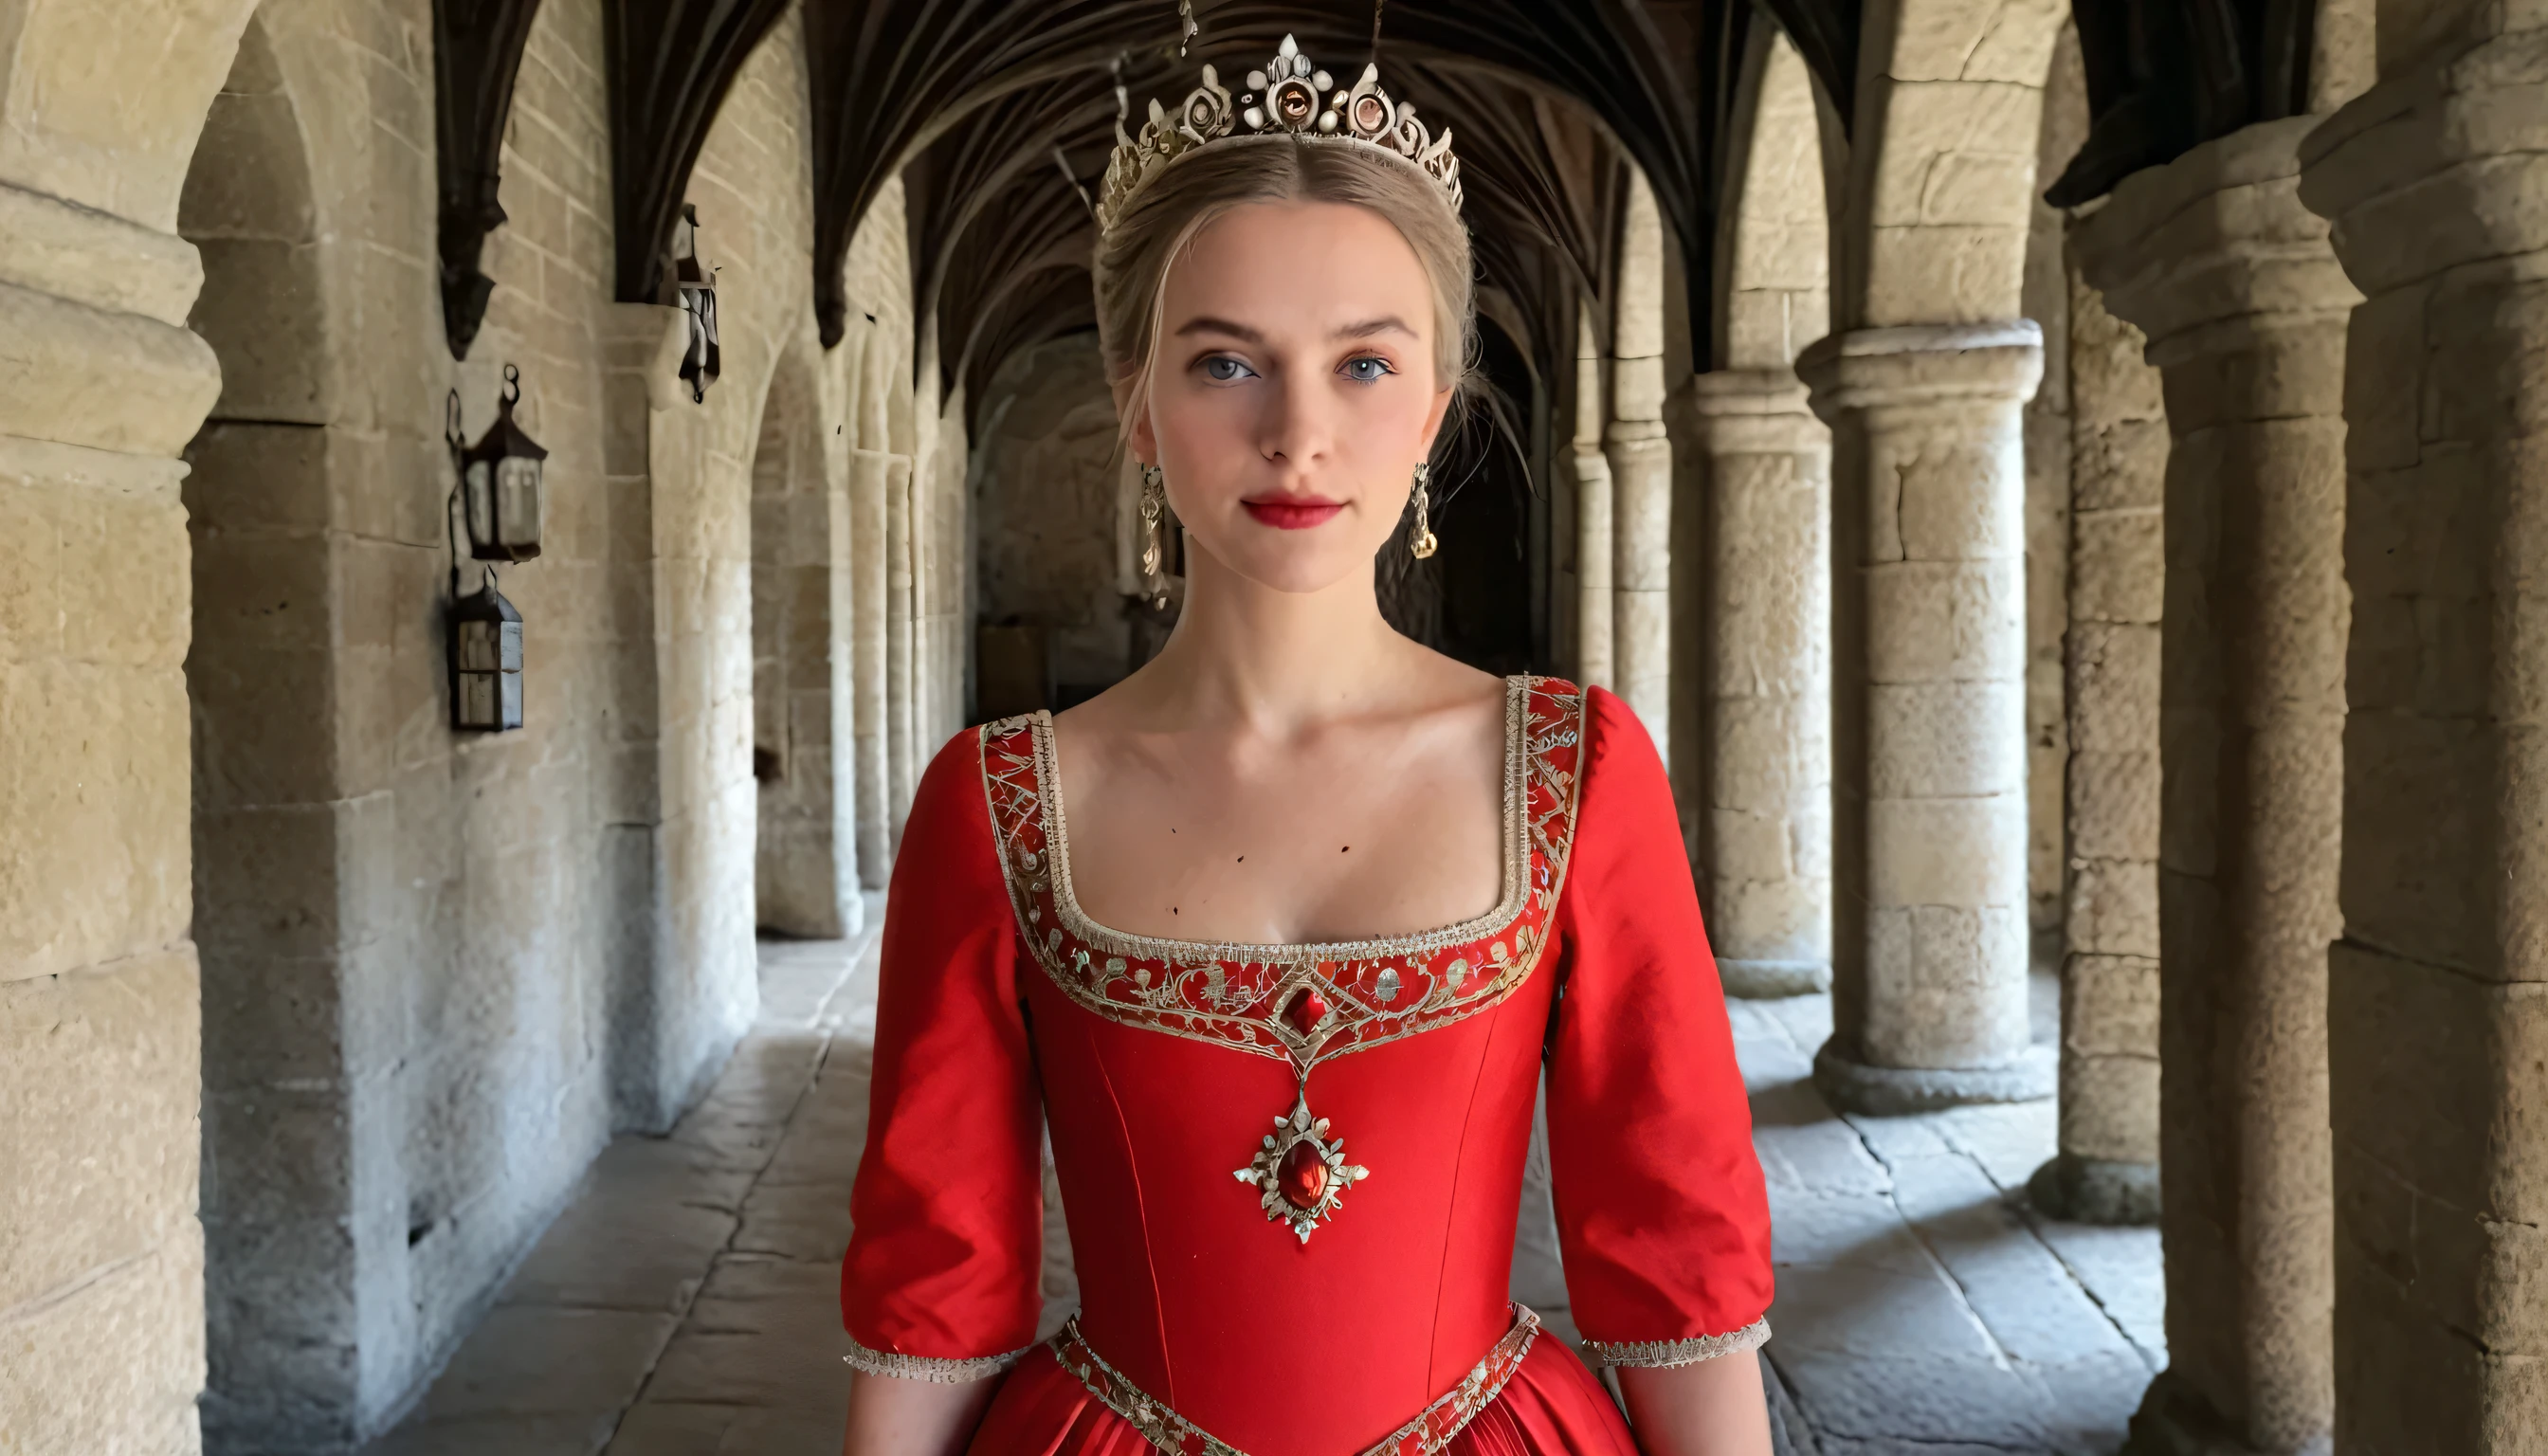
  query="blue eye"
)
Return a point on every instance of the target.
[
  {"x": 1367, "y": 369},
  {"x": 1223, "y": 369}
]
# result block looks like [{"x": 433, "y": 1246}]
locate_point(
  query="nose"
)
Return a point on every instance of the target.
[{"x": 1299, "y": 424}]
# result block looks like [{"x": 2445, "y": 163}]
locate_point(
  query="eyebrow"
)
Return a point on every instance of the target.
[{"x": 1206, "y": 324}]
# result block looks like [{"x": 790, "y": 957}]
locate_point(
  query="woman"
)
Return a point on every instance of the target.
[{"x": 1192, "y": 923}]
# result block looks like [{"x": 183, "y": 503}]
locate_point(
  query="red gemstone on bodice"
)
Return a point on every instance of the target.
[
  {"x": 1303, "y": 1177},
  {"x": 1307, "y": 1009}
]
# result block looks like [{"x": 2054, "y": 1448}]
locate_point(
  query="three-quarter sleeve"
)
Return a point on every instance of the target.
[
  {"x": 941, "y": 1280},
  {"x": 1662, "y": 1217}
]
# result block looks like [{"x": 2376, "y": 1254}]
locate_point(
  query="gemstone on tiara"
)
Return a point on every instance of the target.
[{"x": 1290, "y": 95}]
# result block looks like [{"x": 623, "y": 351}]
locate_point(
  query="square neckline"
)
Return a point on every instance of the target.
[{"x": 1514, "y": 871}]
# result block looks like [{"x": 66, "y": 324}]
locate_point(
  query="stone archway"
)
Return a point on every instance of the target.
[
  {"x": 271, "y": 819},
  {"x": 807, "y": 880},
  {"x": 1923, "y": 382},
  {"x": 1764, "y": 662}
]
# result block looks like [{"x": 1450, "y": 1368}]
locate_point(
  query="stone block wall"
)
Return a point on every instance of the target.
[
  {"x": 1047, "y": 491},
  {"x": 441, "y": 969},
  {"x": 101, "y": 1254}
]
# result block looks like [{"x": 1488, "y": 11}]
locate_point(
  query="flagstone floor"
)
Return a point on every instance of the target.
[{"x": 684, "y": 1302}]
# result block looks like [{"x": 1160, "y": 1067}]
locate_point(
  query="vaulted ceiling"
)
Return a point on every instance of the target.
[{"x": 999, "y": 115}]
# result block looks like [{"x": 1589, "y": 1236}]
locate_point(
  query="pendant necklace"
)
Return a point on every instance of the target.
[{"x": 1300, "y": 1171}]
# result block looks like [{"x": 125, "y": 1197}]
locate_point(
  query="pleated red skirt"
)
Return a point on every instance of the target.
[{"x": 1552, "y": 1407}]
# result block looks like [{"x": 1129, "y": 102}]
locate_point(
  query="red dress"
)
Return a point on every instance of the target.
[{"x": 1291, "y": 1173}]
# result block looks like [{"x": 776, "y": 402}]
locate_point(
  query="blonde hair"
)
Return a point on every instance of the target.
[{"x": 1132, "y": 259}]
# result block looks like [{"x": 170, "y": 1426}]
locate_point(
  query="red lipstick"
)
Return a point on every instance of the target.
[{"x": 1293, "y": 513}]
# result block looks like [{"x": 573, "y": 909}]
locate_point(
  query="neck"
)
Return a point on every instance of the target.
[{"x": 1276, "y": 659}]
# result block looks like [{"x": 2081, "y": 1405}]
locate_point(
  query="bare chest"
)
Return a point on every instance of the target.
[{"x": 1363, "y": 835}]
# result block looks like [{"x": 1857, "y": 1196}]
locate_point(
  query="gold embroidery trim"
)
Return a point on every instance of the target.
[
  {"x": 1188, "y": 989},
  {"x": 1428, "y": 1435},
  {"x": 931, "y": 1368},
  {"x": 1669, "y": 1354}
]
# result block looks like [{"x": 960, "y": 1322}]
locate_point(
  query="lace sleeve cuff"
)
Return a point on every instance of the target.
[
  {"x": 1664, "y": 1354},
  {"x": 929, "y": 1368}
]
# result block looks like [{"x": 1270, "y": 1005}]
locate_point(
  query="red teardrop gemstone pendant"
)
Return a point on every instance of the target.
[
  {"x": 1307, "y": 1009},
  {"x": 1303, "y": 1176}
]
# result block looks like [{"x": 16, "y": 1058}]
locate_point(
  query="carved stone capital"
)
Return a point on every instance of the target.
[
  {"x": 2213, "y": 249},
  {"x": 2438, "y": 166},
  {"x": 1924, "y": 364},
  {"x": 1750, "y": 411}
]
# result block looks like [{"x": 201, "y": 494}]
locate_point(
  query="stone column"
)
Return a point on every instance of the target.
[
  {"x": 2107, "y": 1170},
  {"x": 1929, "y": 809},
  {"x": 1594, "y": 663},
  {"x": 101, "y": 1031},
  {"x": 2437, "y": 1001},
  {"x": 1768, "y": 679},
  {"x": 1641, "y": 469},
  {"x": 902, "y": 678},
  {"x": 2216, "y": 260},
  {"x": 870, "y": 477}
]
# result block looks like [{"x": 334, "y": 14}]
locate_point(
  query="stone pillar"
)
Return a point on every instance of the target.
[
  {"x": 101, "y": 1256},
  {"x": 1595, "y": 662},
  {"x": 870, "y": 477},
  {"x": 2438, "y": 1000},
  {"x": 1768, "y": 679},
  {"x": 1640, "y": 456},
  {"x": 2107, "y": 1170},
  {"x": 2230, "y": 278},
  {"x": 902, "y": 678},
  {"x": 1929, "y": 809}
]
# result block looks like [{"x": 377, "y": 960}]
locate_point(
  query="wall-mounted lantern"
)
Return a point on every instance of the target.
[
  {"x": 700, "y": 361},
  {"x": 500, "y": 480},
  {"x": 497, "y": 499},
  {"x": 485, "y": 660}
]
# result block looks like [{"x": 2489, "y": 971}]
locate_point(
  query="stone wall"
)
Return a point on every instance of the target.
[
  {"x": 1047, "y": 491},
  {"x": 101, "y": 1256},
  {"x": 2045, "y": 297},
  {"x": 441, "y": 969}
]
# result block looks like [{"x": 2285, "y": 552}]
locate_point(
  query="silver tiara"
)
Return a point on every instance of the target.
[{"x": 1283, "y": 99}]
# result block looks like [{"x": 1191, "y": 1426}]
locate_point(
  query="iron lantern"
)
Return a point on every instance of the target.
[
  {"x": 701, "y": 360},
  {"x": 485, "y": 660},
  {"x": 501, "y": 491}
]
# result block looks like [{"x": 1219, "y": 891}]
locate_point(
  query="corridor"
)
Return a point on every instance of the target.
[
  {"x": 501, "y": 500},
  {"x": 685, "y": 1303}
]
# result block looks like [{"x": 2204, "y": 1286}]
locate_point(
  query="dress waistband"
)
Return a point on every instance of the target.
[{"x": 1425, "y": 1435}]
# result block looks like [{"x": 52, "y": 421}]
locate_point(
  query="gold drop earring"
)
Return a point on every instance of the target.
[
  {"x": 1420, "y": 543},
  {"x": 1154, "y": 506}
]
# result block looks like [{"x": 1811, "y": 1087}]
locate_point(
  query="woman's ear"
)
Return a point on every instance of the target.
[
  {"x": 1132, "y": 406},
  {"x": 1433, "y": 417}
]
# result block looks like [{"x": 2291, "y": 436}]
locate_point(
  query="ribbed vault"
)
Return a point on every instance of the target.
[{"x": 999, "y": 115}]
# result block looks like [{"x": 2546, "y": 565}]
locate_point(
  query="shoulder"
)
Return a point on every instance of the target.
[
  {"x": 1623, "y": 799},
  {"x": 951, "y": 829}
]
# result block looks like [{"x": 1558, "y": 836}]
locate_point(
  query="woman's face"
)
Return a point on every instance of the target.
[{"x": 1293, "y": 390}]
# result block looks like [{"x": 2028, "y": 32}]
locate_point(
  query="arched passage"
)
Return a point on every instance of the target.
[
  {"x": 271, "y": 818},
  {"x": 806, "y": 876}
]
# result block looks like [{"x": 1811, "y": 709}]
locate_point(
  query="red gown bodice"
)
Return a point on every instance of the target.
[{"x": 1161, "y": 1067}]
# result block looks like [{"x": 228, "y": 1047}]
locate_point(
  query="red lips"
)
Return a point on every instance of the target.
[{"x": 1293, "y": 513}]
